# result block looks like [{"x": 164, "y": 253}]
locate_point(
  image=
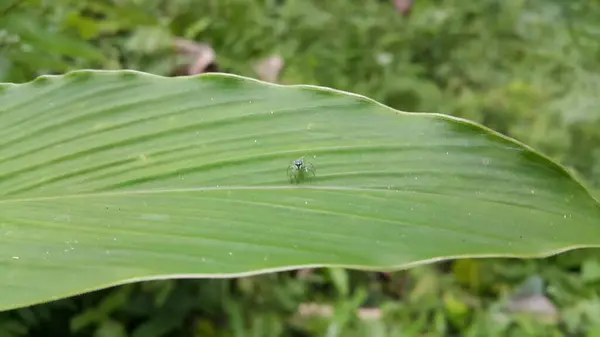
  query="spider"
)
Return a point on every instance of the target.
[{"x": 299, "y": 170}]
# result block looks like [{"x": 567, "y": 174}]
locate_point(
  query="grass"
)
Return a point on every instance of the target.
[{"x": 517, "y": 67}]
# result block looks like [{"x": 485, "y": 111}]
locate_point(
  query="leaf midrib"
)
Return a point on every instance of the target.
[{"x": 246, "y": 188}]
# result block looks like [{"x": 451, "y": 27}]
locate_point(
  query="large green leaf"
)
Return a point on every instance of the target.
[{"x": 111, "y": 177}]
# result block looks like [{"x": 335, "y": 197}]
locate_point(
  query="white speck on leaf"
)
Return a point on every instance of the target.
[{"x": 62, "y": 217}]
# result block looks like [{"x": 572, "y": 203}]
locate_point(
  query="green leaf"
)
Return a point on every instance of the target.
[
  {"x": 112, "y": 177},
  {"x": 41, "y": 39}
]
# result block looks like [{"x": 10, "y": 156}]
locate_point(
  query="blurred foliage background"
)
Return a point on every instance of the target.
[{"x": 527, "y": 68}]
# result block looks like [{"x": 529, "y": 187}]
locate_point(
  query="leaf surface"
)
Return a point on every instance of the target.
[{"x": 109, "y": 177}]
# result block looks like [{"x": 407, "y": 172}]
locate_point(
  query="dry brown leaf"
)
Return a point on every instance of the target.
[
  {"x": 326, "y": 311},
  {"x": 269, "y": 68},
  {"x": 403, "y": 6},
  {"x": 202, "y": 55}
]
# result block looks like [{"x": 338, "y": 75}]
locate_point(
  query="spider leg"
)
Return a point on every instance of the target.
[
  {"x": 293, "y": 175},
  {"x": 310, "y": 168},
  {"x": 308, "y": 171}
]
